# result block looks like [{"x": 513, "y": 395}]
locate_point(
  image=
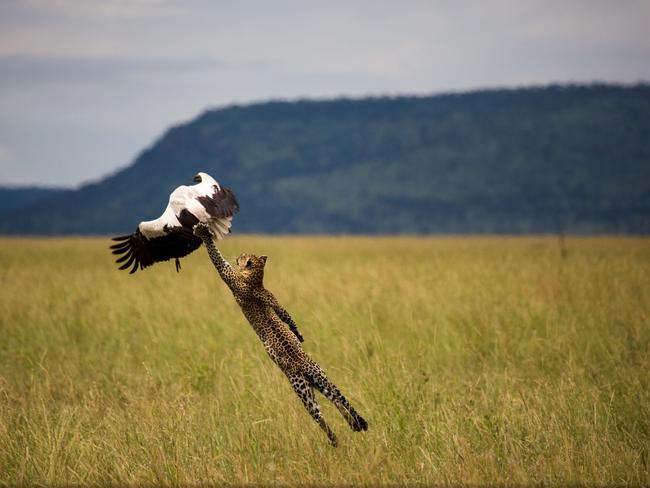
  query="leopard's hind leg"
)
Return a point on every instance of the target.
[
  {"x": 306, "y": 393},
  {"x": 333, "y": 394}
]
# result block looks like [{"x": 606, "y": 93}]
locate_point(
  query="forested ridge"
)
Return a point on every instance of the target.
[{"x": 570, "y": 159}]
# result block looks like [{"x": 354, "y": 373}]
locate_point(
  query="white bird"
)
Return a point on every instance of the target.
[{"x": 171, "y": 236}]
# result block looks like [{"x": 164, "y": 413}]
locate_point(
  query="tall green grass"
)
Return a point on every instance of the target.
[{"x": 479, "y": 360}]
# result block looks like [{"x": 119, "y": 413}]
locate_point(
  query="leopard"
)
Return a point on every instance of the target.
[{"x": 279, "y": 334}]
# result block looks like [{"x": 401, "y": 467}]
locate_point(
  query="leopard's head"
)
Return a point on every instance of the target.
[{"x": 251, "y": 266}]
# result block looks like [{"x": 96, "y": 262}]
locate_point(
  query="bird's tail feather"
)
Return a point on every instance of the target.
[{"x": 220, "y": 227}]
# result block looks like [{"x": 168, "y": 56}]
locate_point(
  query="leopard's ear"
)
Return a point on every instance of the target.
[{"x": 264, "y": 257}]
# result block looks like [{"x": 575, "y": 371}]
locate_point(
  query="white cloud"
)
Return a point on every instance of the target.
[{"x": 105, "y": 8}]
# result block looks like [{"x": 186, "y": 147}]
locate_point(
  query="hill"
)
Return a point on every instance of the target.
[
  {"x": 15, "y": 198},
  {"x": 570, "y": 158}
]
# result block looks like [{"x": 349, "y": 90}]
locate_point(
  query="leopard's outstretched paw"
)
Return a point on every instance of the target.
[{"x": 203, "y": 231}]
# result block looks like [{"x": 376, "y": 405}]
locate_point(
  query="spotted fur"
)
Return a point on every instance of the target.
[{"x": 279, "y": 334}]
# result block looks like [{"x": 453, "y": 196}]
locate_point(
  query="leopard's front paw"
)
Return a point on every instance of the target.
[{"x": 203, "y": 231}]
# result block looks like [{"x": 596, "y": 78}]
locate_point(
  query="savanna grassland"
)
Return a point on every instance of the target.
[{"x": 475, "y": 360}]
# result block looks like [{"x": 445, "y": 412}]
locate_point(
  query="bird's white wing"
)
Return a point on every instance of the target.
[
  {"x": 218, "y": 202},
  {"x": 157, "y": 227},
  {"x": 213, "y": 205}
]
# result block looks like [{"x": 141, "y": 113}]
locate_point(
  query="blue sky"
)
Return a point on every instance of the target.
[{"x": 86, "y": 85}]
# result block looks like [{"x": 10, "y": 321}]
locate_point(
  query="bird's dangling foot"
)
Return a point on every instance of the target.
[{"x": 178, "y": 265}]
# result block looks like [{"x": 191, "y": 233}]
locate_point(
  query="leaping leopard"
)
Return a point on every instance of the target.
[{"x": 279, "y": 334}]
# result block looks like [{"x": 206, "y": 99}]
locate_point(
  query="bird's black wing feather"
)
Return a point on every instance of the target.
[
  {"x": 137, "y": 251},
  {"x": 222, "y": 203}
]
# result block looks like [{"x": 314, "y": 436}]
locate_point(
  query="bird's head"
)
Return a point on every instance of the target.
[
  {"x": 203, "y": 178},
  {"x": 251, "y": 266}
]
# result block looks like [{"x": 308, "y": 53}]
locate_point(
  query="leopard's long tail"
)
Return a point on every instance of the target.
[{"x": 332, "y": 393}]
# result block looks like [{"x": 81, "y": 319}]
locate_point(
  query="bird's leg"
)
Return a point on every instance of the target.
[{"x": 178, "y": 265}]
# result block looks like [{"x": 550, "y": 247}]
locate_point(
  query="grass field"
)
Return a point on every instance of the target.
[{"x": 479, "y": 360}]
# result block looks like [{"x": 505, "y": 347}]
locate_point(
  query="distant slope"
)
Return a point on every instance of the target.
[
  {"x": 526, "y": 160},
  {"x": 15, "y": 198}
]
